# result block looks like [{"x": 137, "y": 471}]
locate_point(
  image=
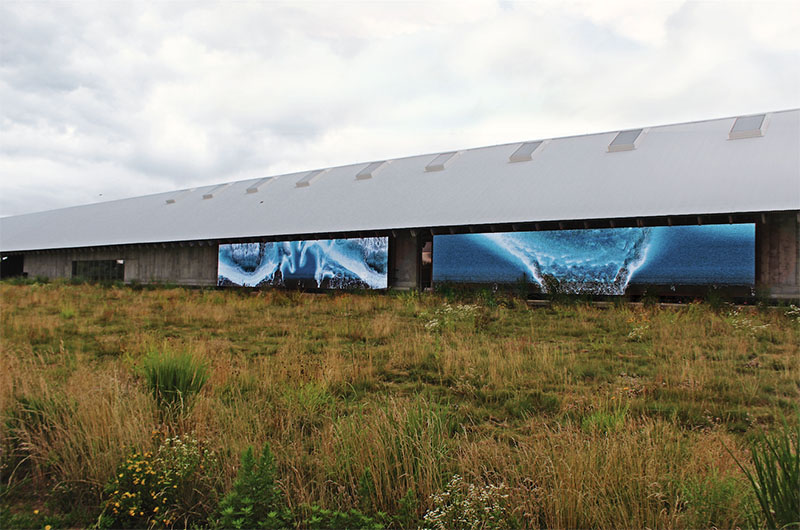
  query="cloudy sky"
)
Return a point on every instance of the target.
[{"x": 107, "y": 100}]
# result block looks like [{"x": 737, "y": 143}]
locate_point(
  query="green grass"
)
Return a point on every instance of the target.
[{"x": 588, "y": 417}]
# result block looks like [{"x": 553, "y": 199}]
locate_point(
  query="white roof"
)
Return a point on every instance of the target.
[{"x": 684, "y": 169}]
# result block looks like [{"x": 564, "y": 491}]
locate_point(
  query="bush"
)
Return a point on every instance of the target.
[
  {"x": 776, "y": 475},
  {"x": 174, "y": 378},
  {"x": 316, "y": 518},
  {"x": 467, "y": 506},
  {"x": 165, "y": 488},
  {"x": 255, "y": 501}
]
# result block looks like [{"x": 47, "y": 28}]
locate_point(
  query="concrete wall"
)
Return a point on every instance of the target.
[
  {"x": 778, "y": 255},
  {"x": 187, "y": 265}
]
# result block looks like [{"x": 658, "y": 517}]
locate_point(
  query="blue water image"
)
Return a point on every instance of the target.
[
  {"x": 328, "y": 263},
  {"x": 601, "y": 261}
]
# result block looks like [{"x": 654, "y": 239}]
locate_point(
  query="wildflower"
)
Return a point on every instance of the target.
[
  {"x": 155, "y": 509},
  {"x": 35, "y": 512},
  {"x": 47, "y": 527},
  {"x": 121, "y": 475}
]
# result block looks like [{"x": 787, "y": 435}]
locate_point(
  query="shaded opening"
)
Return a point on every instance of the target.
[{"x": 11, "y": 266}]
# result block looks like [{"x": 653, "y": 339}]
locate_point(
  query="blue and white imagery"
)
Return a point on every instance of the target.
[
  {"x": 602, "y": 261},
  {"x": 326, "y": 264}
]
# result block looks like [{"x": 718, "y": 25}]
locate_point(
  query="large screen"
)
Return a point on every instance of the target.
[
  {"x": 601, "y": 261},
  {"x": 326, "y": 264}
]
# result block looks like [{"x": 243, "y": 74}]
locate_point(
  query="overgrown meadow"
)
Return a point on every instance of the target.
[{"x": 126, "y": 407}]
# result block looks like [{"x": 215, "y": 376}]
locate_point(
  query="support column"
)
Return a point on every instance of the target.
[
  {"x": 778, "y": 255},
  {"x": 404, "y": 260}
]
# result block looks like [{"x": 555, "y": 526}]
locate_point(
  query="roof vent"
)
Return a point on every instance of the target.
[
  {"x": 524, "y": 152},
  {"x": 254, "y": 188},
  {"x": 310, "y": 177},
  {"x": 625, "y": 140},
  {"x": 371, "y": 169},
  {"x": 441, "y": 161},
  {"x": 212, "y": 191},
  {"x": 748, "y": 127}
]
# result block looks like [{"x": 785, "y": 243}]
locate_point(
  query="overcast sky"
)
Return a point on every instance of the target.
[{"x": 108, "y": 100}]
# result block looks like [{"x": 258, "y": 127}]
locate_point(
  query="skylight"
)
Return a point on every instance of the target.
[
  {"x": 210, "y": 194},
  {"x": 371, "y": 169},
  {"x": 178, "y": 194},
  {"x": 441, "y": 161},
  {"x": 259, "y": 184},
  {"x": 310, "y": 177},
  {"x": 625, "y": 140},
  {"x": 748, "y": 127},
  {"x": 524, "y": 152}
]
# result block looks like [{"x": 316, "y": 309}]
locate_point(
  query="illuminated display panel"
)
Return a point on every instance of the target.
[
  {"x": 326, "y": 264},
  {"x": 602, "y": 261}
]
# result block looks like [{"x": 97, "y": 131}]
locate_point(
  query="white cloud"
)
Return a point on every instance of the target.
[{"x": 125, "y": 99}]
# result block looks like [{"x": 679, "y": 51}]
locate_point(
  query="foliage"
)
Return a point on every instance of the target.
[
  {"x": 168, "y": 487},
  {"x": 316, "y": 518},
  {"x": 464, "y": 505},
  {"x": 255, "y": 501},
  {"x": 775, "y": 476},
  {"x": 174, "y": 378}
]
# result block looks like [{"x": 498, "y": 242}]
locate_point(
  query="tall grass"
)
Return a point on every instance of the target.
[
  {"x": 367, "y": 407},
  {"x": 775, "y": 476},
  {"x": 174, "y": 378}
]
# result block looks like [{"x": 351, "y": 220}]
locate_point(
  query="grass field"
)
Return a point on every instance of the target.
[{"x": 570, "y": 416}]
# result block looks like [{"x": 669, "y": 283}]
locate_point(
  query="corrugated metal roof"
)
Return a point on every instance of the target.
[{"x": 683, "y": 169}]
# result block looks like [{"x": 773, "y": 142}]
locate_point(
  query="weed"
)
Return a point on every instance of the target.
[
  {"x": 775, "y": 477},
  {"x": 254, "y": 501},
  {"x": 168, "y": 487},
  {"x": 464, "y": 506},
  {"x": 174, "y": 378}
]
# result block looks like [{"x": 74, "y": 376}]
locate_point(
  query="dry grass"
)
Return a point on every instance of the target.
[{"x": 593, "y": 417}]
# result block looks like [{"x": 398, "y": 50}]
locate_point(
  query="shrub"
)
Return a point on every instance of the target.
[
  {"x": 254, "y": 501},
  {"x": 174, "y": 378},
  {"x": 165, "y": 488},
  {"x": 466, "y": 506},
  {"x": 776, "y": 475},
  {"x": 316, "y": 518}
]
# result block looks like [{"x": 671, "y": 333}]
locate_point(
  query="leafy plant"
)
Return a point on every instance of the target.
[
  {"x": 466, "y": 506},
  {"x": 174, "y": 378},
  {"x": 316, "y": 518},
  {"x": 163, "y": 488},
  {"x": 775, "y": 477},
  {"x": 255, "y": 501}
]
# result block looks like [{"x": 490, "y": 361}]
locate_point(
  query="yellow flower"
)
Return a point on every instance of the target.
[
  {"x": 155, "y": 509},
  {"x": 121, "y": 475},
  {"x": 116, "y": 504},
  {"x": 35, "y": 512},
  {"x": 47, "y": 527}
]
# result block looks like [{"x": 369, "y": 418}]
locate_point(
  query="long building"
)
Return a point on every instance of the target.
[{"x": 743, "y": 169}]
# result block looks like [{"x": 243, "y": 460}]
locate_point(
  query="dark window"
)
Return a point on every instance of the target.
[
  {"x": 101, "y": 269},
  {"x": 11, "y": 266}
]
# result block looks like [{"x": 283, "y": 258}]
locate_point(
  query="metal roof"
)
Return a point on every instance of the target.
[{"x": 684, "y": 169}]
